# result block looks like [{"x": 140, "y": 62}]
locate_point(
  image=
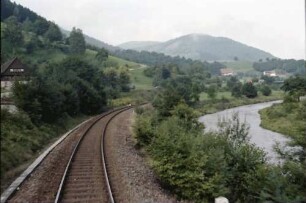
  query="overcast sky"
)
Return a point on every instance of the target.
[{"x": 276, "y": 26}]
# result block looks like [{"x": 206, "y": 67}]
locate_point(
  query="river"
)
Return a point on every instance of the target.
[{"x": 261, "y": 137}]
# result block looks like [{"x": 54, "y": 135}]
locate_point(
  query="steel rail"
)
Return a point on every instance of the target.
[
  {"x": 62, "y": 183},
  {"x": 109, "y": 189}
]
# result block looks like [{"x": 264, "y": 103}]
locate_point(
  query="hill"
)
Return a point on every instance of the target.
[
  {"x": 137, "y": 45},
  {"x": 202, "y": 47},
  {"x": 93, "y": 41}
]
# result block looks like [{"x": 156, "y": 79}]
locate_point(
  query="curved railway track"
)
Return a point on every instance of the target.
[{"x": 85, "y": 178}]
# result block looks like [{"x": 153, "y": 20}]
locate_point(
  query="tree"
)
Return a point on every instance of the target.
[
  {"x": 102, "y": 55},
  {"x": 173, "y": 92},
  {"x": 41, "y": 26},
  {"x": 249, "y": 90},
  {"x": 12, "y": 32},
  {"x": 53, "y": 33},
  {"x": 114, "y": 81},
  {"x": 165, "y": 73},
  {"x": 162, "y": 73},
  {"x": 295, "y": 86},
  {"x": 40, "y": 98},
  {"x": 124, "y": 80},
  {"x": 231, "y": 82},
  {"x": 75, "y": 65},
  {"x": 77, "y": 41},
  {"x": 265, "y": 90},
  {"x": 268, "y": 79},
  {"x": 212, "y": 91},
  {"x": 27, "y": 25},
  {"x": 236, "y": 90},
  {"x": 7, "y": 9}
]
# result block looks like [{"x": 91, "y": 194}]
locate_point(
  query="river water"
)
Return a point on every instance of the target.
[{"x": 261, "y": 137}]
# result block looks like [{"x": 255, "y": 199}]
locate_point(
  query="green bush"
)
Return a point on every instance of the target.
[
  {"x": 249, "y": 90},
  {"x": 20, "y": 139},
  {"x": 143, "y": 130},
  {"x": 265, "y": 90},
  {"x": 181, "y": 162}
]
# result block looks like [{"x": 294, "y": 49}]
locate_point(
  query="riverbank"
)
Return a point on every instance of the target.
[
  {"x": 286, "y": 118},
  {"x": 200, "y": 166},
  {"x": 262, "y": 138},
  {"x": 226, "y": 101}
]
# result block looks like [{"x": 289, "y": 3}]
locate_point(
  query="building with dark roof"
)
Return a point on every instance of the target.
[{"x": 11, "y": 71}]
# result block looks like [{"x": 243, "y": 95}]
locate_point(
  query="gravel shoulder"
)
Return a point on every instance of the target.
[{"x": 131, "y": 176}]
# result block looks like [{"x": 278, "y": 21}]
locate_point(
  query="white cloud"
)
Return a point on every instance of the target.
[{"x": 276, "y": 26}]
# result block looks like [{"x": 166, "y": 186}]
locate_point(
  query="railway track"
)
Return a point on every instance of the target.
[{"x": 85, "y": 178}]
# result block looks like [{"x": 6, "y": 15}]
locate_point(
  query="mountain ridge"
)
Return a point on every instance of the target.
[
  {"x": 137, "y": 44},
  {"x": 202, "y": 47}
]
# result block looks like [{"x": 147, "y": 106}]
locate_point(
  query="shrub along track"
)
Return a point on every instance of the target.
[
  {"x": 85, "y": 169},
  {"x": 132, "y": 179}
]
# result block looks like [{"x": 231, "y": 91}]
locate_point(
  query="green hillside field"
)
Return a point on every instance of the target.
[
  {"x": 138, "y": 79},
  {"x": 240, "y": 66}
]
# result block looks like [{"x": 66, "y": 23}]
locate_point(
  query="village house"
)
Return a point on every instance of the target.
[
  {"x": 270, "y": 73},
  {"x": 227, "y": 72},
  {"x": 12, "y": 70}
]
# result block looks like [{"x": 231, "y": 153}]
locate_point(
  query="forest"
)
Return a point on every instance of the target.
[{"x": 285, "y": 65}]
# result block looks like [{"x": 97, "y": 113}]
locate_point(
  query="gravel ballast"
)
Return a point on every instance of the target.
[{"x": 132, "y": 178}]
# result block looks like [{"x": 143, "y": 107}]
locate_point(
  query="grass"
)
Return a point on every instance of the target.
[
  {"x": 228, "y": 95},
  {"x": 286, "y": 118},
  {"x": 90, "y": 54},
  {"x": 224, "y": 100},
  {"x": 139, "y": 80},
  {"x": 123, "y": 62},
  {"x": 204, "y": 95},
  {"x": 240, "y": 66}
]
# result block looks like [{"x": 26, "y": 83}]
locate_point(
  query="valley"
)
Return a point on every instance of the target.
[{"x": 142, "y": 112}]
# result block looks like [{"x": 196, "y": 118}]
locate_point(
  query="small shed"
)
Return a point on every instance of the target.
[{"x": 11, "y": 71}]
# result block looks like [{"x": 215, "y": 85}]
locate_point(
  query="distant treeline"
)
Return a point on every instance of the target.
[
  {"x": 153, "y": 58},
  {"x": 22, "y": 15},
  {"x": 8, "y": 9},
  {"x": 288, "y": 65},
  {"x": 23, "y": 31}
]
